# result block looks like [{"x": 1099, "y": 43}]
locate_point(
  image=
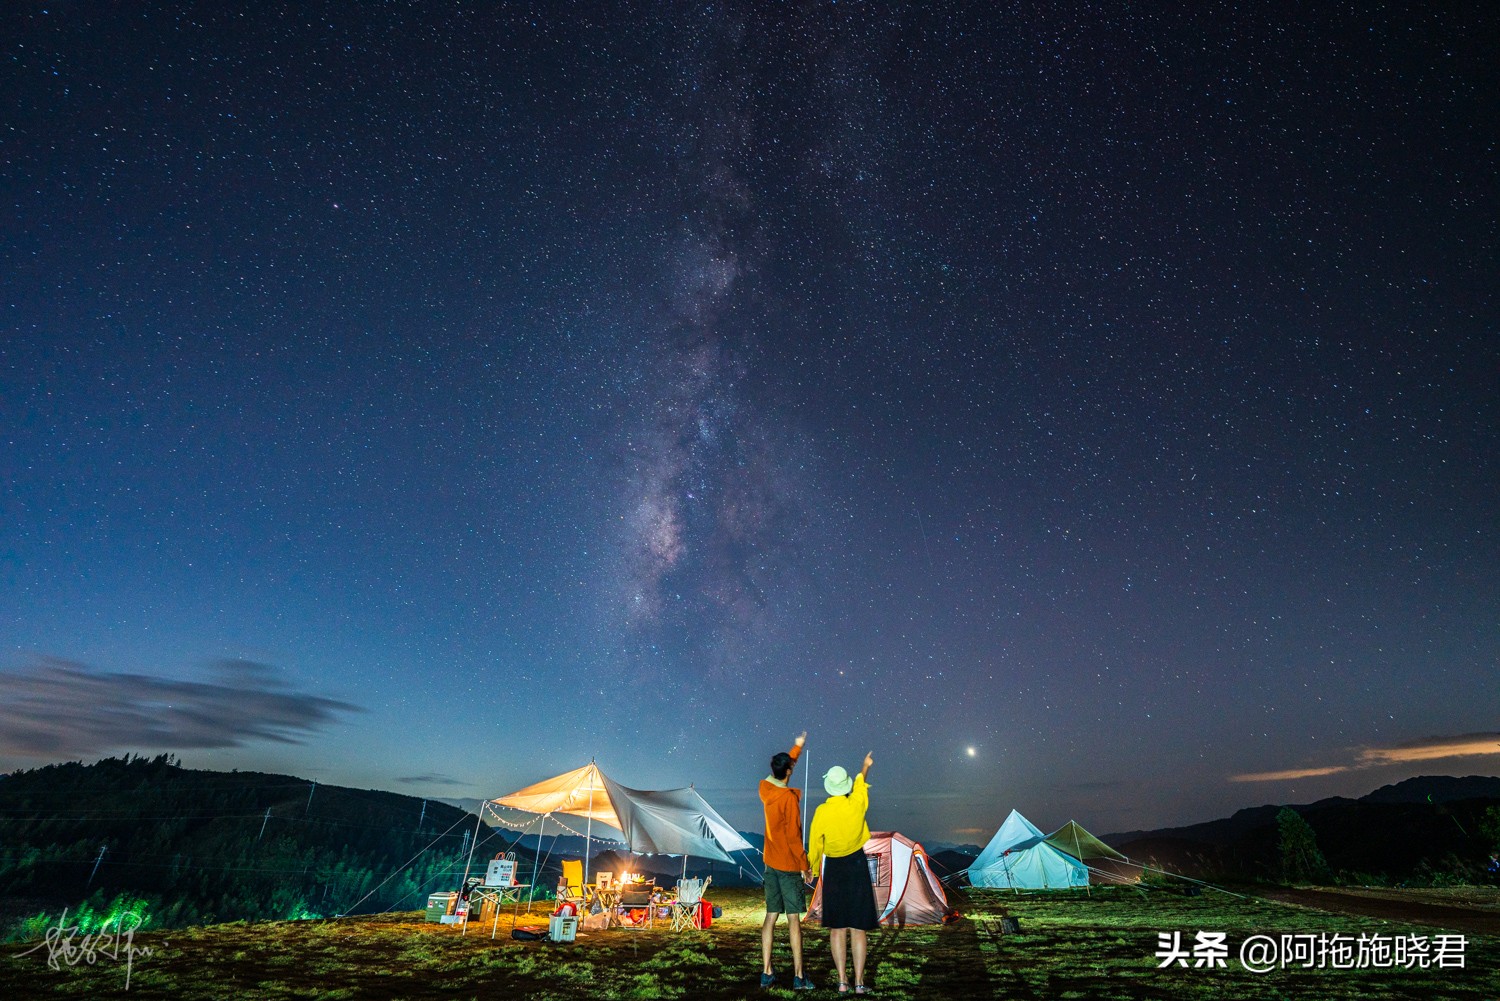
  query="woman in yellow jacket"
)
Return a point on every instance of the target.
[{"x": 837, "y": 844}]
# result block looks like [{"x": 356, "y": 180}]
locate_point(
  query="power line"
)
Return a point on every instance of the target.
[
  {"x": 92, "y": 815},
  {"x": 311, "y": 869}
]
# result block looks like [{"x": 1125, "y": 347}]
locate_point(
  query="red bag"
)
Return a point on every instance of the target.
[{"x": 705, "y": 914}]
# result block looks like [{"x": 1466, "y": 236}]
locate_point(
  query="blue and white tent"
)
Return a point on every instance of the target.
[{"x": 1018, "y": 857}]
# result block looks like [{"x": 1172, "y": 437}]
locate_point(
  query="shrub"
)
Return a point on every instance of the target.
[
  {"x": 1450, "y": 870},
  {"x": 1301, "y": 859}
]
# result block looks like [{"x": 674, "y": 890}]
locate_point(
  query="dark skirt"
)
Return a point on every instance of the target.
[{"x": 848, "y": 898}]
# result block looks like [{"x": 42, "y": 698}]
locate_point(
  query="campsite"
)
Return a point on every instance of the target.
[
  {"x": 1035, "y": 915},
  {"x": 485, "y": 482}
]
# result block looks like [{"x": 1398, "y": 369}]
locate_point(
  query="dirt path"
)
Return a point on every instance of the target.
[{"x": 1463, "y": 919}]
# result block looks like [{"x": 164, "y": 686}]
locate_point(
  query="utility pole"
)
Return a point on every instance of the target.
[
  {"x": 423, "y": 816},
  {"x": 263, "y": 824},
  {"x": 309, "y": 798},
  {"x": 102, "y": 850}
]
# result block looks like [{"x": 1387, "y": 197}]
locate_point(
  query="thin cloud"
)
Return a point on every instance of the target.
[
  {"x": 430, "y": 780},
  {"x": 61, "y": 709},
  {"x": 1294, "y": 773},
  {"x": 1464, "y": 745}
]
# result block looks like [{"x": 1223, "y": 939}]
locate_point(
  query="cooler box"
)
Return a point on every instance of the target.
[
  {"x": 562, "y": 928},
  {"x": 438, "y": 905}
]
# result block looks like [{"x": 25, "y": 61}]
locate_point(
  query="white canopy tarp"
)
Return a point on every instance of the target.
[
  {"x": 579, "y": 793},
  {"x": 654, "y": 822}
]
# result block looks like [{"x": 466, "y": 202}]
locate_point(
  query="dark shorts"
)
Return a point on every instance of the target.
[{"x": 785, "y": 892}]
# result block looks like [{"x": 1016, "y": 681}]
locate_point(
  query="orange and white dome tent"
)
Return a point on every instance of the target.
[{"x": 907, "y": 892}]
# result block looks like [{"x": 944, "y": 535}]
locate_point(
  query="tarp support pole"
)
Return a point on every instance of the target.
[
  {"x": 588, "y": 837},
  {"x": 473, "y": 844},
  {"x": 473, "y": 847}
]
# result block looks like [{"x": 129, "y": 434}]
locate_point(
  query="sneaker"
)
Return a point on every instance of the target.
[
  {"x": 767, "y": 980},
  {"x": 803, "y": 984}
]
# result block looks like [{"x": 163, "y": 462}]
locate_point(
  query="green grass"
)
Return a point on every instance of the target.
[{"x": 1071, "y": 946}]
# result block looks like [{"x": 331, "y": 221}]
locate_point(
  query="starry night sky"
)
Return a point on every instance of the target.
[{"x": 1091, "y": 409}]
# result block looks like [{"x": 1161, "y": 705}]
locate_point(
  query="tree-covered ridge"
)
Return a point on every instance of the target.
[{"x": 199, "y": 846}]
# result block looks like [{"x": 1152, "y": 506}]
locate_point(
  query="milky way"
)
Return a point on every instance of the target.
[
  {"x": 1106, "y": 388},
  {"x": 711, "y": 505}
]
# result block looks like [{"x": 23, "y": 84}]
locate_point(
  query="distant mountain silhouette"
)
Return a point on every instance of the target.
[
  {"x": 1410, "y": 830},
  {"x": 1422, "y": 789},
  {"x": 184, "y": 846},
  {"x": 1437, "y": 789},
  {"x": 936, "y": 847}
]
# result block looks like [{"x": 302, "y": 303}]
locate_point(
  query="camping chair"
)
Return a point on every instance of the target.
[
  {"x": 571, "y": 886},
  {"x": 639, "y": 897},
  {"x": 685, "y": 907}
]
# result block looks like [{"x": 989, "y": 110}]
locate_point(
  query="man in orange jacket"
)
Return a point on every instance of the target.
[{"x": 787, "y": 875}]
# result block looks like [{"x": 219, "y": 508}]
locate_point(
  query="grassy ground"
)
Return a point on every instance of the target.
[{"x": 1069, "y": 946}]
